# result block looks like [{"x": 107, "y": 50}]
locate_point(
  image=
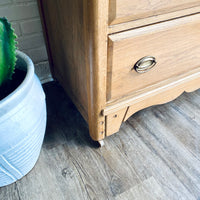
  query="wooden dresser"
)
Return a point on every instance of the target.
[{"x": 116, "y": 57}]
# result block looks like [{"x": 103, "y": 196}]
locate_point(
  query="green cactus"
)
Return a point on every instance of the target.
[{"x": 7, "y": 50}]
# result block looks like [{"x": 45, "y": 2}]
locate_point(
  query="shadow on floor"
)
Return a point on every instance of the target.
[{"x": 64, "y": 122}]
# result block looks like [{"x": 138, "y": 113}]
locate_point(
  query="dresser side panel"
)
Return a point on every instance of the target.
[{"x": 64, "y": 28}]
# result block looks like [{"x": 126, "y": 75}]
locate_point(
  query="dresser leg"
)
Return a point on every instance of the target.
[{"x": 101, "y": 143}]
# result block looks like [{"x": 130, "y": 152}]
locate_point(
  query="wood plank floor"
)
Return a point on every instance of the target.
[{"x": 155, "y": 155}]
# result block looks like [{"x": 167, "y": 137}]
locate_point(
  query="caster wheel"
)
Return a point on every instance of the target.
[{"x": 101, "y": 143}]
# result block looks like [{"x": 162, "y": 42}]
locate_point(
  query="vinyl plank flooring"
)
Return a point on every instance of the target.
[
  {"x": 155, "y": 155},
  {"x": 153, "y": 163},
  {"x": 149, "y": 189},
  {"x": 10, "y": 192}
]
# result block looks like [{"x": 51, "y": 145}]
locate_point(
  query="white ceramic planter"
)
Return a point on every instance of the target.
[{"x": 22, "y": 125}]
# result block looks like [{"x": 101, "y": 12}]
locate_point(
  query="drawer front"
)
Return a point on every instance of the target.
[
  {"x": 175, "y": 45},
  {"x": 128, "y": 10}
]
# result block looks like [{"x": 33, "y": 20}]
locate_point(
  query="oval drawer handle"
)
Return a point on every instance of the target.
[{"x": 145, "y": 64}]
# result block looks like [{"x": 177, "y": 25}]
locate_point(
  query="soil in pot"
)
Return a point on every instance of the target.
[{"x": 11, "y": 85}]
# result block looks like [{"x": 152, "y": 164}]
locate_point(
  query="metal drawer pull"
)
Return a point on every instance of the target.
[{"x": 145, "y": 64}]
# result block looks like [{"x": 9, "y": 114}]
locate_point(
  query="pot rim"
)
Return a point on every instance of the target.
[{"x": 24, "y": 83}]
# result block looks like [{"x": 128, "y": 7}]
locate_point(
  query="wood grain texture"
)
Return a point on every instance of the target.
[
  {"x": 128, "y": 10},
  {"x": 174, "y": 44},
  {"x": 98, "y": 77},
  {"x": 95, "y": 31},
  {"x": 149, "y": 189},
  {"x": 160, "y": 95},
  {"x": 79, "y": 52},
  {"x": 157, "y": 94},
  {"x": 114, "y": 121},
  {"x": 155, "y": 155},
  {"x": 152, "y": 20},
  {"x": 63, "y": 28},
  {"x": 164, "y": 97}
]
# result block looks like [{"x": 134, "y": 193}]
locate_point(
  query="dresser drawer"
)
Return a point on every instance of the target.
[
  {"x": 128, "y": 10},
  {"x": 174, "y": 44}
]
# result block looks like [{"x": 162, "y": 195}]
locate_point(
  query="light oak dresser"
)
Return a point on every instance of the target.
[{"x": 116, "y": 57}]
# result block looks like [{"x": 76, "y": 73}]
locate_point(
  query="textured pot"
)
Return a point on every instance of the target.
[{"x": 22, "y": 125}]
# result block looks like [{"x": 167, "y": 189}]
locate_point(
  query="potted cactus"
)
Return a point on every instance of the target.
[{"x": 22, "y": 110}]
